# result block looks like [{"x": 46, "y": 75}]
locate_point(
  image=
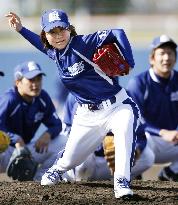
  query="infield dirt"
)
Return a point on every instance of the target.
[
  {"x": 149, "y": 191},
  {"x": 87, "y": 193}
]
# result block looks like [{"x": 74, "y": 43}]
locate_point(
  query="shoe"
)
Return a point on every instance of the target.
[
  {"x": 122, "y": 188},
  {"x": 52, "y": 176},
  {"x": 167, "y": 174},
  {"x": 139, "y": 177}
]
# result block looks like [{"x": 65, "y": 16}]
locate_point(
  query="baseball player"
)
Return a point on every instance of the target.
[
  {"x": 156, "y": 93},
  {"x": 4, "y": 138},
  {"x": 104, "y": 104},
  {"x": 23, "y": 108}
]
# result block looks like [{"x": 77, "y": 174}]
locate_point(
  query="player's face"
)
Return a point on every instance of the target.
[
  {"x": 163, "y": 61},
  {"x": 58, "y": 37},
  {"x": 29, "y": 88}
]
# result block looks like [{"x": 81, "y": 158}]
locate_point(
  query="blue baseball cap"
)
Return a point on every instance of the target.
[
  {"x": 163, "y": 39},
  {"x": 1, "y": 73},
  {"x": 54, "y": 18},
  {"x": 27, "y": 70}
]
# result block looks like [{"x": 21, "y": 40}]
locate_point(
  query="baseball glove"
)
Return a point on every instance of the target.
[
  {"x": 4, "y": 141},
  {"x": 109, "y": 151},
  {"x": 21, "y": 166},
  {"x": 111, "y": 61}
]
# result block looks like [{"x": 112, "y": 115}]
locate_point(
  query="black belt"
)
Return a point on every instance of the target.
[{"x": 102, "y": 105}]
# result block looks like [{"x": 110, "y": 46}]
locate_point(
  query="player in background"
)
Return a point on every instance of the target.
[
  {"x": 156, "y": 93},
  {"x": 104, "y": 104},
  {"x": 23, "y": 108},
  {"x": 4, "y": 138}
]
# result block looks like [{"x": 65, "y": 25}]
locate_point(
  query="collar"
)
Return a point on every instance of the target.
[
  {"x": 22, "y": 99},
  {"x": 155, "y": 78},
  {"x": 61, "y": 54}
]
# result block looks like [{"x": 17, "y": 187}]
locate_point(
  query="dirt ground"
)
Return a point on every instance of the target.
[
  {"x": 86, "y": 193},
  {"x": 148, "y": 191}
]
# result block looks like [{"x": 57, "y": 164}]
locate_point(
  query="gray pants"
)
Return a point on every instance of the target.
[
  {"x": 45, "y": 160},
  {"x": 164, "y": 152}
]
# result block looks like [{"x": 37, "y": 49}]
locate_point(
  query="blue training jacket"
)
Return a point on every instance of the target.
[
  {"x": 21, "y": 119},
  {"x": 76, "y": 69},
  {"x": 157, "y": 99}
]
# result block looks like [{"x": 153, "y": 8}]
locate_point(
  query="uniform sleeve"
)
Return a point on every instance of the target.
[
  {"x": 51, "y": 119},
  {"x": 6, "y": 102},
  {"x": 124, "y": 45},
  {"x": 119, "y": 37},
  {"x": 104, "y": 37},
  {"x": 33, "y": 38}
]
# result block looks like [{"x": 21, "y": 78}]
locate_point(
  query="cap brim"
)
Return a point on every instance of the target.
[
  {"x": 162, "y": 43},
  {"x": 1, "y": 73},
  {"x": 33, "y": 74},
  {"x": 54, "y": 25}
]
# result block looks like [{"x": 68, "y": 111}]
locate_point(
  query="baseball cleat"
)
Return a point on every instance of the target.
[
  {"x": 167, "y": 174},
  {"x": 52, "y": 176},
  {"x": 122, "y": 188}
]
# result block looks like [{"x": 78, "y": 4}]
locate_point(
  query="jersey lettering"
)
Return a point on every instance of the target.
[
  {"x": 174, "y": 96},
  {"x": 102, "y": 34},
  {"x": 76, "y": 68},
  {"x": 38, "y": 116}
]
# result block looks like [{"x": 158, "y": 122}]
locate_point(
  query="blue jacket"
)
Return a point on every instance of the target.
[
  {"x": 157, "y": 99},
  {"x": 21, "y": 119}
]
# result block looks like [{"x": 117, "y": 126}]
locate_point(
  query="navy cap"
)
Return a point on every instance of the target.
[
  {"x": 1, "y": 73},
  {"x": 54, "y": 18},
  {"x": 27, "y": 70},
  {"x": 163, "y": 39}
]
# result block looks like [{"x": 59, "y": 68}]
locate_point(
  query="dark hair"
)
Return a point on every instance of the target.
[
  {"x": 45, "y": 41},
  {"x": 169, "y": 44}
]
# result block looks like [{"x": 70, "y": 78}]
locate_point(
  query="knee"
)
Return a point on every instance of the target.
[
  {"x": 83, "y": 172},
  {"x": 57, "y": 144},
  {"x": 84, "y": 168},
  {"x": 149, "y": 159}
]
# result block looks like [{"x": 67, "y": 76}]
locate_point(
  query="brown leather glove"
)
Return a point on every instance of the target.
[
  {"x": 111, "y": 61},
  {"x": 4, "y": 141},
  {"x": 109, "y": 152}
]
